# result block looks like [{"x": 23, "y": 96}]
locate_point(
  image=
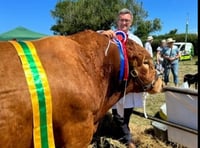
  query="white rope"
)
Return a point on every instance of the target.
[
  {"x": 125, "y": 88},
  {"x": 144, "y": 104},
  {"x": 106, "y": 51}
]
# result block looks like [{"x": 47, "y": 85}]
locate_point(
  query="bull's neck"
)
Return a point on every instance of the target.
[{"x": 111, "y": 69}]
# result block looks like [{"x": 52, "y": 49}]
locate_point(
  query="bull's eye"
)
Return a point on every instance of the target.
[{"x": 146, "y": 62}]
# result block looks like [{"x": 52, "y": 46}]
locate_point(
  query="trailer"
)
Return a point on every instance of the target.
[
  {"x": 181, "y": 124},
  {"x": 182, "y": 109}
]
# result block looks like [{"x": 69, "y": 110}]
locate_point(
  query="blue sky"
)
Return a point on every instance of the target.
[
  {"x": 35, "y": 14},
  {"x": 173, "y": 14}
]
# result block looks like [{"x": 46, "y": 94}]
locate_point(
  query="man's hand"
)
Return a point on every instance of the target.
[
  {"x": 172, "y": 59},
  {"x": 109, "y": 33}
]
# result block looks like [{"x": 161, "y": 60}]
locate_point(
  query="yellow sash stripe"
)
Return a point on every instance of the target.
[
  {"x": 34, "y": 96},
  {"x": 47, "y": 96}
]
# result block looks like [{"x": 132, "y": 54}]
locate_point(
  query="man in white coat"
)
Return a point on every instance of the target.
[{"x": 122, "y": 110}]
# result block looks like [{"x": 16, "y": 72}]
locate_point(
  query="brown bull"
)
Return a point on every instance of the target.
[{"x": 83, "y": 82}]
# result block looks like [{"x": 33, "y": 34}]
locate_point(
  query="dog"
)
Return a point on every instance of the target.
[{"x": 191, "y": 79}]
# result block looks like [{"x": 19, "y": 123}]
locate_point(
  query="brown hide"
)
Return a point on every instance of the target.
[{"x": 83, "y": 82}]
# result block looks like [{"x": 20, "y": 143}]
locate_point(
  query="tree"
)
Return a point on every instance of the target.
[
  {"x": 144, "y": 28},
  {"x": 76, "y": 15},
  {"x": 173, "y": 32}
]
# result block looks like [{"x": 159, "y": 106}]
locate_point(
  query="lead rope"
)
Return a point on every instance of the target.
[
  {"x": 144, "y": 104},
  {"x": 125, "y": 88},
  {"x": 106, "y": 51}
]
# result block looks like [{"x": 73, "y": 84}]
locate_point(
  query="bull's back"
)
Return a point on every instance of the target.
[
  {"x": 69, "y": 74},
  {"x": 15, "y": 104},
  {"x": 13, "y": 86},
  {"x": 69, "y": 70}
]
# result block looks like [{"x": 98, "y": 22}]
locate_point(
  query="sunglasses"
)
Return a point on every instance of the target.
[{"x": 125, "y": 20}]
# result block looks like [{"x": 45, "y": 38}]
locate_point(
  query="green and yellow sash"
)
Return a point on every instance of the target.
[{"x": 40, "y": 94}]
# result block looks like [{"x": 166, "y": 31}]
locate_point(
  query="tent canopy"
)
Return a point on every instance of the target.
[{"x": 21, "y": 33}]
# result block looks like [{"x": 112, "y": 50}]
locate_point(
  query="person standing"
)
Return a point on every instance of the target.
[
  {"x": 171, "y": 56},
  {"x": 131, "y": 100},
  {"x": 159, "y": 58},
  {"x": 148, "y": 46}
]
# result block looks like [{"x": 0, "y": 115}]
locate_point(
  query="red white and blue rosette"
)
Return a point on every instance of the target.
[{"x": 121, "y": 43}]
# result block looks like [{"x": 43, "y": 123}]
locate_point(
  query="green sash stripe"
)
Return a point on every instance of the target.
[{"x": 40, "y": 93}]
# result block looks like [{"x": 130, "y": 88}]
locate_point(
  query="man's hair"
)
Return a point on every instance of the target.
[{"x": 125, "y": 11}]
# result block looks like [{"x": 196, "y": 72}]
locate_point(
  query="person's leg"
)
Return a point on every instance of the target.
[
  {"x": 166, "y": 75},
  {"x": 130, "y": 141},
  {"x": 118, "y": 121},
  {"x": 127, "y": 115},
  {"x": 175, "y": 73},
  {"x": 122, "y": 123},
  {"x": 161, "y": 66}
]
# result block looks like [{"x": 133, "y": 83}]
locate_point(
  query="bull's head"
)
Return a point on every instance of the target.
[{"x": 143, "y": 75}]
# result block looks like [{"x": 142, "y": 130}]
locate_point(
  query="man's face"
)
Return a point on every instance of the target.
[
  {"x": 170, "y": 44},
  {"x": 163, "y": 44},
  {"x": 124, "y": 22}
]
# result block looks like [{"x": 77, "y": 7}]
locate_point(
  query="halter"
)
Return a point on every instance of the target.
[
  {"x": 106, "y": 51},
  {"x": 145, "y": 87}
]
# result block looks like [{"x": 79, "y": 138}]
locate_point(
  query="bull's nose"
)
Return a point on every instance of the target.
[{"x": 158, "y": 86}]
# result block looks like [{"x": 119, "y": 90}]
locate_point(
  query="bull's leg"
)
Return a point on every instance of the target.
[
  {"x": 77, "y": 133},
  {"x": 15, "y": 129}
]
